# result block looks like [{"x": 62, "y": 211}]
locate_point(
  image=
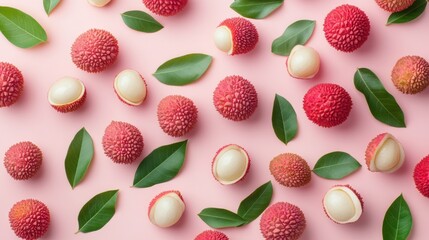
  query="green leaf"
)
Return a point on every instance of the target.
[
  {"x": 409, "y": 14},
  {"x": 220, "y": 218},
  {"x": 97, "y": 212},
  {"x": 183, "y": 70},
  {"x": 21, "y": 29},
  {"x": 253, "y": 205},
  {"x": 79, "y": 156},
  {"x": 336, "y": 165},
  {"x": 161, "y": 165},
  {"x": 297, "y": 33},
  {"x": 398, "y": 220},
  {"x": 141, "y": 21},
  {"x": 381, "y": 103},
  {"x": 256, "y": 9},
  {"x": 49, "y": 5},
  {"x": 284, "y": 121}
]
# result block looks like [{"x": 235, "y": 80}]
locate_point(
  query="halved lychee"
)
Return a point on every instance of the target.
[
  {"x": 166, "y": 209},
  {"x": 342, "y": 204},
  {"x": 67, "y": 94},
  {"x": 236, "y": 36},
  {"x": 230, "y": 164},
  {"x": 384, "y": 154},
  {"x": 130, "y": 87}
]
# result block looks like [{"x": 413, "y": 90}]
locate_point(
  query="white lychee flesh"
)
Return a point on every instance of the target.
[
  {"x": 98, "y": 3},
  {"x": 389, "y": 156},
  {"x": 303, "y": 62},
  {"x": 65, "y": 91},
  {"x": 230, "y": 164},
  {"x": 342, "y": 205},
  {"x": 223, "y": 39},
  {"x": 130, "y": 87},
  {"x": 167, "y": 210}
]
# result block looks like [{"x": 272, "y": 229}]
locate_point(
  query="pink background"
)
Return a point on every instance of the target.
[{"x": 191, "y": 31}]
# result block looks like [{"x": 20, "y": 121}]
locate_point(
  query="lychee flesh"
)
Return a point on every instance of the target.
[
  {"x": 67, "y": 94},
  {"x": 99, "y": 3},
  {"x": 95, "y": 50},
  {"x": 130, "y": 87},
  {"x": 230, "y": 164},
  {"x": 165, "y": 7},
  {"x": 303, "y": 62},
  {"x": 394, "y": 5},
  {"x": 327, "y": 104},
  {"x": 290, "y": 170},
  {"x": 410, "y": 75},
  {"x": 343, "y": 204},
  {"x": 122, "y": 142},
  {"x": 11, "y": 84},
  {"x": 384, "y": 154},
  {"x": 177, "y": 115},
  {"x": 235, "y": 98},
  {"x": 421, "y": 176},
  {"x": 346, "y": 28},
  {"x": 23, "y": 160},
  {"x": 283, "y": 221},
  {"x": 29, "y": 219},
  {"x": 166, "y": 209},
  {"x": 211, "y": 235}
]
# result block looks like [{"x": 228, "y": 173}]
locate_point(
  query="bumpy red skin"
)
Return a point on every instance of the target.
[
  {"x": 410, "y": 75},
  {"x": 122, "y": 100},
  {"x": 177, "y": 115},
  {"x": 290, "y": 170},
  {"x": 283, "y": 221},
  {"x": 211, "y": 235},
  {"x": 354, "y": 191},
  {"x": 71, "y": 107},
  {"x": 23, "y": 160},
  {"x": 29, "y": 219},
  {"x": 421, "y": 176},
  {"x": 155, "y": 199},
  {"x": 11, "y": 84},
  {"x": 394, "y": 5},
  {"x": 244, "y": 34},
  {"x": 346, "y": 28},
  {"x": 235, "y": 98},
  {"x": 95, "y": 50},
  {"x": 122, "y": 142},
  {"x": 165, "y": 7},
  {"x": 222, "y": 148},
  {"x": 372, "y": 146},
  {"x": 327, "y": 104}
]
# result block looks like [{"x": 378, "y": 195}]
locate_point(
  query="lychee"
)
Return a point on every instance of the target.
[
  {"x": 394, "y": 5},
  {"x": 29, "y": 219},
  {"x": 410, "y": 74},
  {"x": 23, "y": 160},
  {"x": 130, "y": 87},
  {"x": 11, "y": 84},
  {"x": 166, "y": 209},
  {"x": 211, "y": 235},
  {"x": 343, "y": 204},
  {"x": 67, "y": 94},
  {"x": 290, "y": 170},
  {"x": 236, "y": 36},
  {"x": 165, "y": 7},
  {"x": 303, "y": 62},
  {"x": 230, "y": 164},
  {"x": 99, "y": 3},
  {"x": 384, "y": 154},
  {"x": 421, "y": 176}
]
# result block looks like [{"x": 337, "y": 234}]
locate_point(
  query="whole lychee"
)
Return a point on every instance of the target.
[
  {"x": 421, "y": 176},
  {"x": 290, "y": 170},
  {"x": 29, "y": 219},
  {"x": 211, "y": 235},
  {"x": 11, "y": 84},
  {"x": 165, "y": 7},
  {"x": 23, "y": 160},
  {"x": 394, "y": 5},
  {"x": 410, "y": 74}
]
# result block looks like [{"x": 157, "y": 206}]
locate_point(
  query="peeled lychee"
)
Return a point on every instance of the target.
[
  {"x": 95, "y": 50},
  {"x": 290, "y": 170},
  {"x": 343, "y": 204},
  {"x": 165, "y": 7},
  {"x": 99, "y": 3},
  {"x": 29, "y": 219},
  {"x": 177, "y": 115},
  {"x": 211, "y": 235},
  {"x": 283, "y": 221},
  {"x": 394, "y": 5},
  {"x": 410, "y": 74},
  {"x": 303, "y": 62},
  {"x": 346, "y": 28},
  {"x": 130, "y": 87},
  {"x": 236, "y": 36},
  {"x": 235, "y": 98},
  {"x": 67, "y": 94},
  {"x": 166, "y": 209},
  {"x": 11, "y": 84},
  {"x": 421, "y": 176},
  {"x": 384, "y": 154},
  {"x": 122, "y": 142},
  {"x": 327, "y": 104},
  {"x": 230, "y": 164},
  {"x": 23, "y": 160}
]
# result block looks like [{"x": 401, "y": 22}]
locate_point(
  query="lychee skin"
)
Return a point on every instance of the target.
[
  {"x": 290, "y": 170},
  {"x": 346, "y": 28},
  {"x": 327, "y": 104},
  {"x": 283, "y": 221},
  {"x": 95, "y": 50},
  {"x": 29, "y": 219},
  {"x": 235, "y": 98},
  {"x": 410, "y": 75},
  {"x": 177, "y": 115},
  {"x": 244, "y": 34},
  {"x": 211, "y": 235},
  {"x": 122, "y": 142},
  {"x": 11, "y": 84},
  {"x": 394, "y": 5},
  {"x": 165, "y": 7},
  {"x": 23, "y": 160},
  {"x": 421, "y": 176}
]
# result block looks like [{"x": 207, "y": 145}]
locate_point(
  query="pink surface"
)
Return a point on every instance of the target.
[{"x": 191, "y": 31}]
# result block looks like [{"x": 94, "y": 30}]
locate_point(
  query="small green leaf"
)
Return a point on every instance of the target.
[
  {"x": 409, "y": 14},
  {"x": 256, "y": 9},
  {"x": 381, "y": 103},
  {"x": 21, "y": 29},
  {"x": 220, "y": 218},
  {"x": 252, "y": 206},
  {"x": 284, "y": 121},
  {"x": 297, "y": 33},
  {"x": 141, "y": 21},
  {"x": 398, "y": 220},
  {"x": 183, "y": 70},
  {"x": 49, "y": 5},
  {"x": 98, "y": 211},
  {"x": 79, "y": 156},
  {"x": 336, "y": 165},
  {"x": 161, "y": 165}
]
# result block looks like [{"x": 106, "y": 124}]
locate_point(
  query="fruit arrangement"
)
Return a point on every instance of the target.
[{"x": 194, "y": 131}]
